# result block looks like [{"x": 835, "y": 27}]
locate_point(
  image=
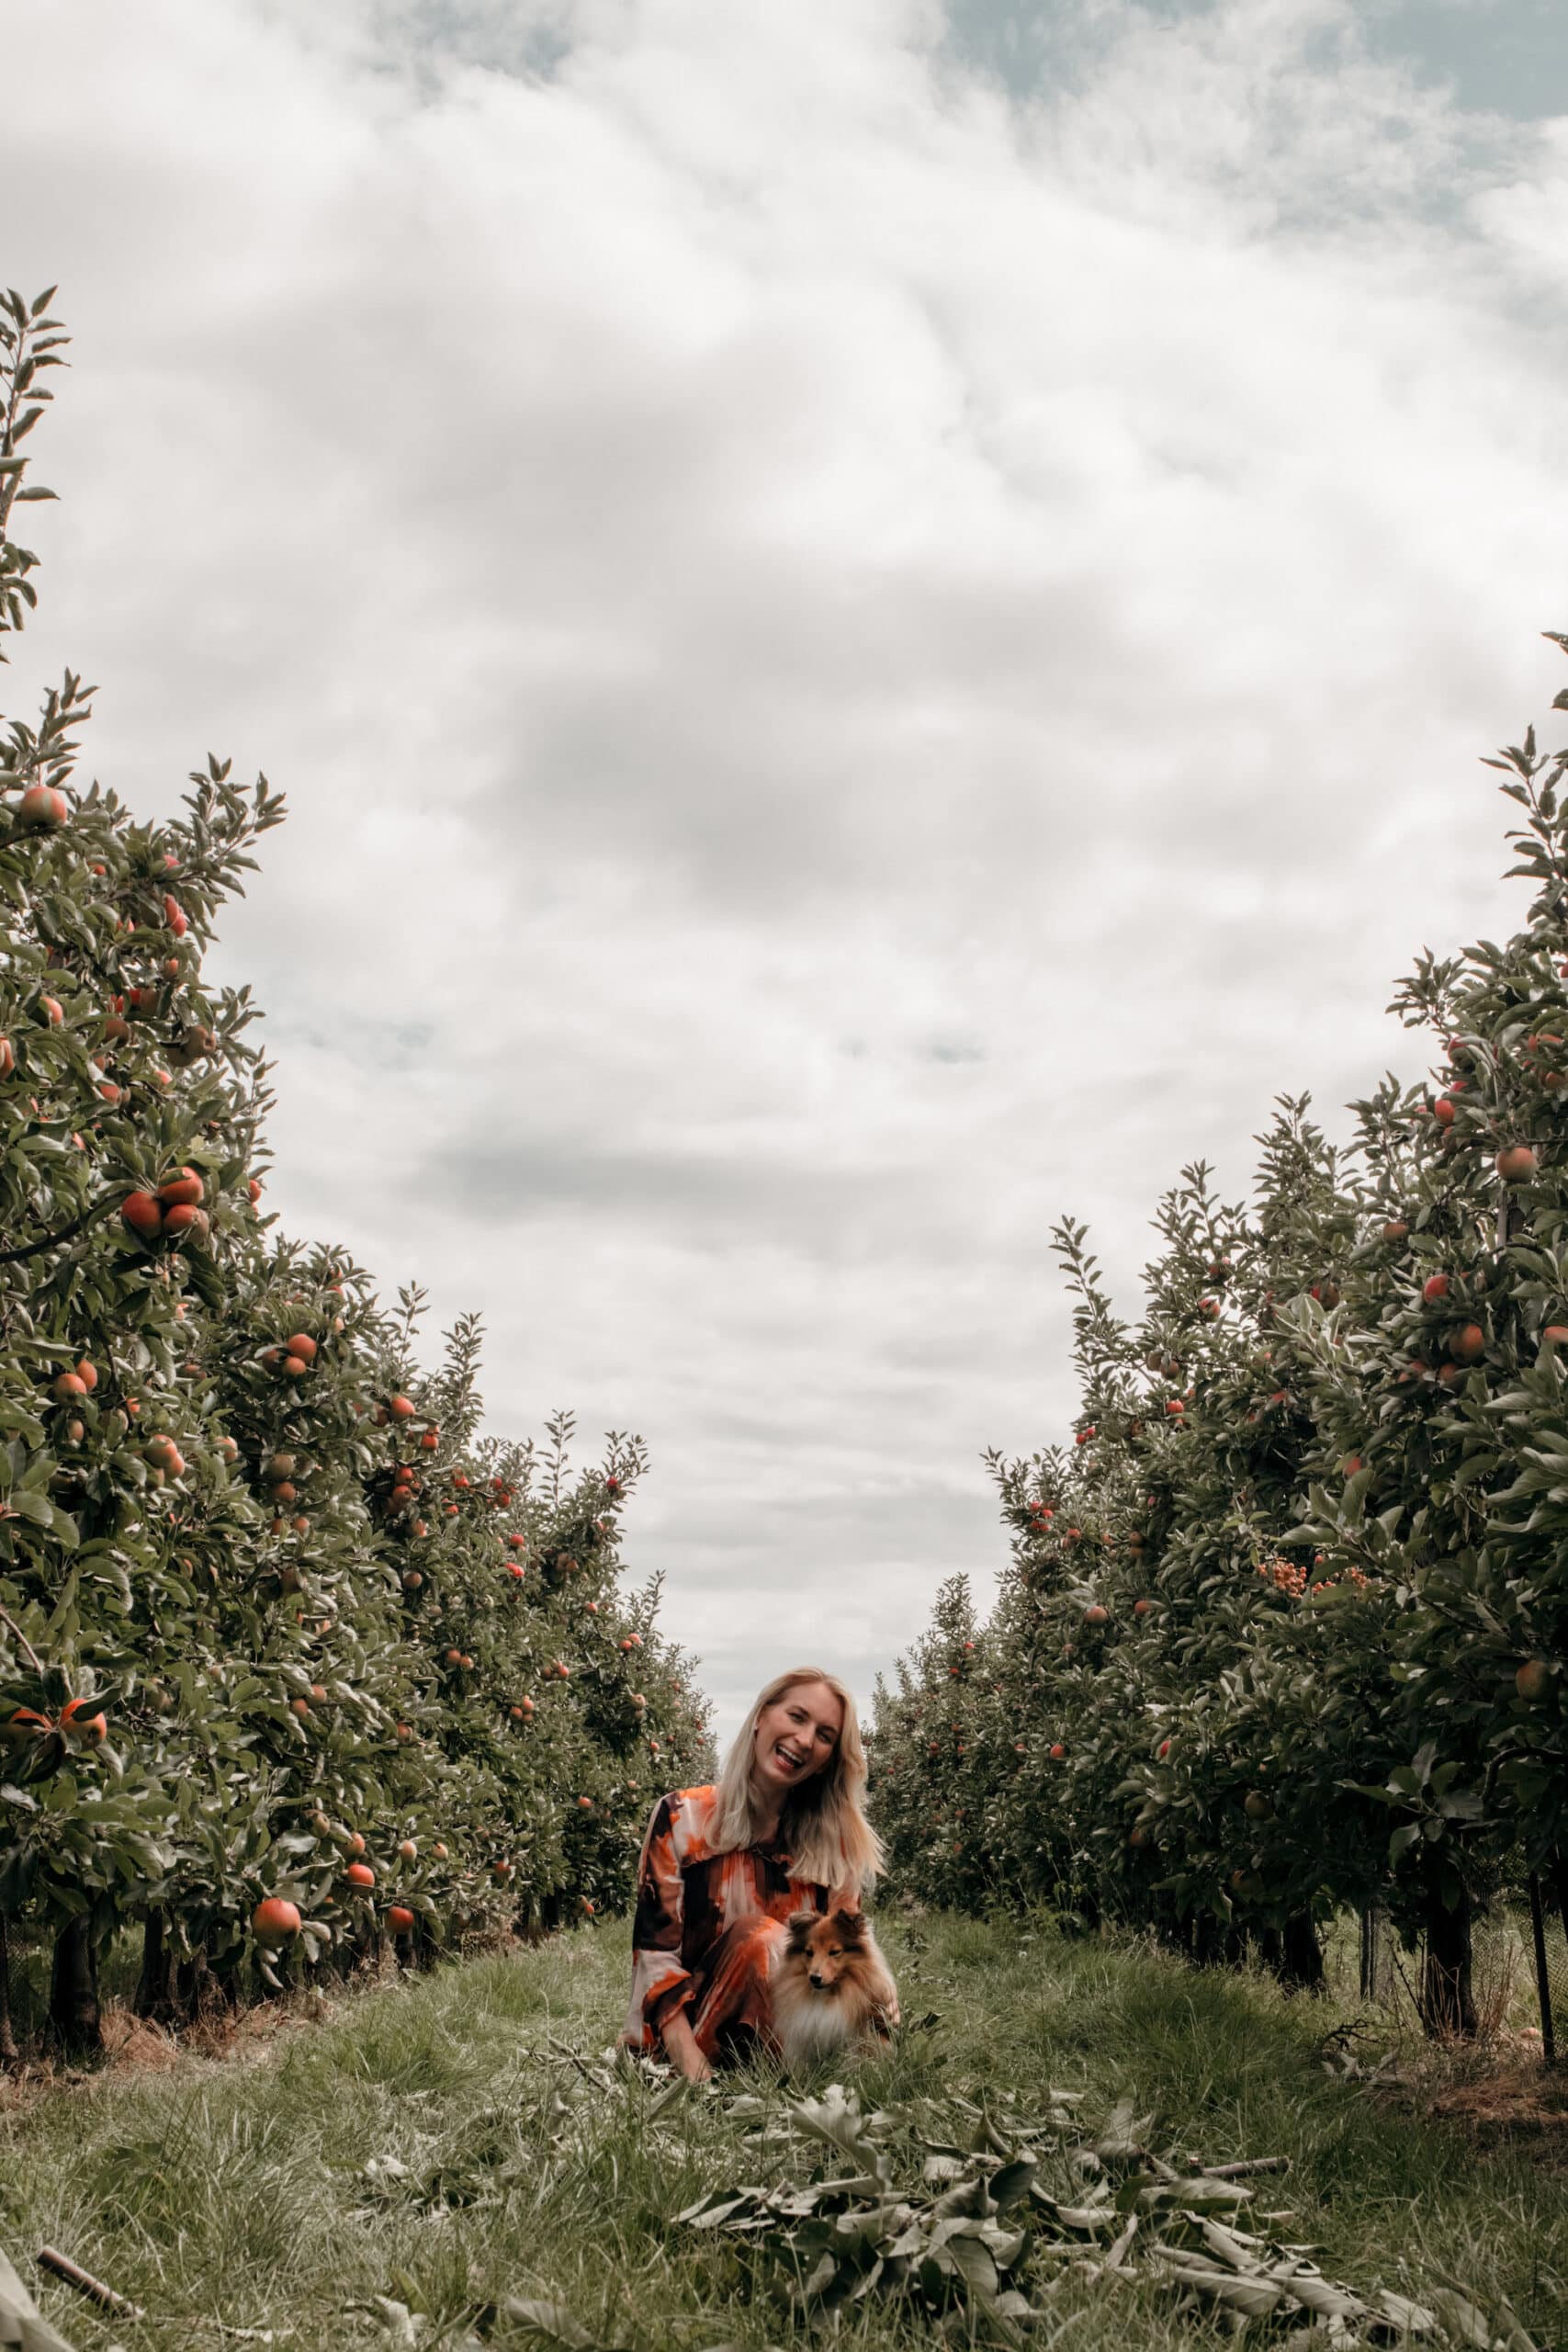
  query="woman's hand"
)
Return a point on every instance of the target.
[{"x": 681, "y": 2049}]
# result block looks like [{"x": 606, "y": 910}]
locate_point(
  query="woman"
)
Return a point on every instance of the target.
[{"x": 724, "y": 1867}]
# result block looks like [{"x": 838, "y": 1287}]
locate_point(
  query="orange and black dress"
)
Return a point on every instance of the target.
[{"x": 707, "y": 1928}]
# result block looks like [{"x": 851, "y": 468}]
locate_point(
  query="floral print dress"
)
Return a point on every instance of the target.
[{"x": 707, "y": 1928}]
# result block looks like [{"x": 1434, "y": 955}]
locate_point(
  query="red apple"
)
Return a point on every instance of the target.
[
  {"x": 143, "y": 1214},
  {"x": 42, "y": 805},
  {"x": 274, "y": 1922}
]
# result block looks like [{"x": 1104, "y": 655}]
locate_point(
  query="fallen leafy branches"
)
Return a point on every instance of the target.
[{"x": 979, "y": 2222}]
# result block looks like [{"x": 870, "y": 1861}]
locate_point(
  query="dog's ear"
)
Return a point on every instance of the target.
[
  {"x": 800, "y": 1926},
  {"x": 850, "y": 1926}
]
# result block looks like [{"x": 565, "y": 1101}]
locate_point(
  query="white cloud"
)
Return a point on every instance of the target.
[{"x": 857, "y": 664}]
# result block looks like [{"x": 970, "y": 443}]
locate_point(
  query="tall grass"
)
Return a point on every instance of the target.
[{"x": 433, "y": 2144}]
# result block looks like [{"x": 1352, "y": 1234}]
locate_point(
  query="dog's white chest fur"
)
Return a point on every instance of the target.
[{"x": 814, "y": 2026}]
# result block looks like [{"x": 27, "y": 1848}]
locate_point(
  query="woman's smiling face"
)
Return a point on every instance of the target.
[{"x": 795, "y": 1738}]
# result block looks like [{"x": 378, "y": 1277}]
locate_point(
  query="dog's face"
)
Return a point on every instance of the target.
[{"x": 828, "y": 1947}]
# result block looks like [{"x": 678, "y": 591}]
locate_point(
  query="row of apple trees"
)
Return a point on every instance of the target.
[
  {"x": 293, "y": 1661},
  {"x": 1285, "y": 1627}
]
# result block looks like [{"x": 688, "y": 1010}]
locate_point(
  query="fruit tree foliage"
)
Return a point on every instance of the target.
[
  {"x": 1285, "y": 1625},
  {"x": 277, "y": 1624}
]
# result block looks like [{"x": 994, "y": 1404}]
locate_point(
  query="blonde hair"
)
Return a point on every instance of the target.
[{"x": 823, "y": 1826}]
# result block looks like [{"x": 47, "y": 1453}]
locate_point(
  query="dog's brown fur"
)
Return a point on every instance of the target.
[{"x": 831, "y": 1987}]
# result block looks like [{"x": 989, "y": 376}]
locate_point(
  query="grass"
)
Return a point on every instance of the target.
[{"x": 264, "y": 2192}]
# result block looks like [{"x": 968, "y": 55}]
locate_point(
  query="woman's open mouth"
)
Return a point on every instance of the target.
[{"x": 791, "y": 1763}]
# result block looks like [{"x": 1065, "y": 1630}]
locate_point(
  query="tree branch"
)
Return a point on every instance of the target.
[
  {"x": 33, "y": 1658},
  {"x": 52, "y": 1240}
]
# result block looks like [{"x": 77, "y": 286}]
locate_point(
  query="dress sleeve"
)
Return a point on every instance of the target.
[{"x": 660, "y": 1984}]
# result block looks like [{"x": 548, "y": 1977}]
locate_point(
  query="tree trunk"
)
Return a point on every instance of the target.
[
  {"x": 1448, "y": 2008},
  {"x": 187, "y": 1988},
  {"x": 1218, "y": 1943},
  {"x": 221, "y": 1978},
  {"x": 1301, "y": 1959},
  {"x": 155, "y": 1986},
  {"x": 74, "y": 2013},
  {"x": 9, "y": 2054},
  {"x": 198, "y": 1990}
]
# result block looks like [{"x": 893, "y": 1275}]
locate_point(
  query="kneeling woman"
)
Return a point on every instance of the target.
[{"x": 723, "y": 1868}]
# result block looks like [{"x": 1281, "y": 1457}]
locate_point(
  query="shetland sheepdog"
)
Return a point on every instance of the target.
[{"x": 832, "y": 1989}]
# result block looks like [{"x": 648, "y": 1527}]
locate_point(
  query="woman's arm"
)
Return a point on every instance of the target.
[
  {"x": 661, "y": 1981},
  {"x": 681, "y": 2049}
]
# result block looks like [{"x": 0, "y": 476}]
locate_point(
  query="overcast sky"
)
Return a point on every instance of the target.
[{"x": 877, "y": 622}]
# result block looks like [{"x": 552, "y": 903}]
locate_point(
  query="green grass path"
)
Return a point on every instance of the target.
[{"x": 266, "y": 2193}]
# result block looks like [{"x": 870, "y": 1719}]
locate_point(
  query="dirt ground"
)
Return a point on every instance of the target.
[{"x": 1513, "y": 2098}]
